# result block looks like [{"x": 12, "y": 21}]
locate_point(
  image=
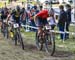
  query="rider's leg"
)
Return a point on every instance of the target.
[
  {"x": 39, "y": 24},
  {"x": 39, "y": 31},
  {"x": 45, "y": 23}
]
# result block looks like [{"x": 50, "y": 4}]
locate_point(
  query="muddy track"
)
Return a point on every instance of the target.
[{"x": 8, "y": 51}]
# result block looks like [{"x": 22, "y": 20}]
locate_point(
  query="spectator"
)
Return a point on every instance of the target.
[
  {"x": 51, "y": 19},
  {"x": 35, "y": 7},
  {"x": 23, "y": 16},
  {"x": 41, "y": 7},
  {"x": 32, "y": 23},
  {"x": 68, "y": 12},
  {"x": 62, "y": 20}
]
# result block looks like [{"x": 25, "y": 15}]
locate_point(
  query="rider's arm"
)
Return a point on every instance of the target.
[{"x": 35, "y": 17}]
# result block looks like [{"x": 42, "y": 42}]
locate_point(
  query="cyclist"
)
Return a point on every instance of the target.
[
  {"x": 15, "y": 14},
  {"x": 42, "y": 20},
  {"x": 4, "y": 14}
]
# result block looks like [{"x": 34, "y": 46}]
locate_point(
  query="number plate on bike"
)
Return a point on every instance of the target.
[
  {"x": 16, "y": 25},
  {"x": 48, "y": 27}
]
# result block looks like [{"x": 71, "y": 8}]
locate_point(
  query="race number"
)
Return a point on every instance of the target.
[
  {"x": 16, "y": 25},
  {"x": 48, "y": 27}
]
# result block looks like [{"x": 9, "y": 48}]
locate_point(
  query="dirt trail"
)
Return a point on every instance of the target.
[{"x": 8, "y": 51}]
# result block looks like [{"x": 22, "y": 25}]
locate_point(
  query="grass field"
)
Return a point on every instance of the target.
[
  {"x": 68, "y": 45},
  {"x": 2, "y": 3}
]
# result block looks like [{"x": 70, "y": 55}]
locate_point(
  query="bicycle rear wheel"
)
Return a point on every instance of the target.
[{"x": 50, "y": 44}]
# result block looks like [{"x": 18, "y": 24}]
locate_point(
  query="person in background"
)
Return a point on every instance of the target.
[
  {"x": 36, "y": 9},
  {"x": 23, "y": 16},
  {"x": 32, "y": 23},
  {"x": 68, "y": 12},
  {"x": 62, "y": 20},
  {"x": 51, "y": 19},
  {"x": 41, "y": 20},
  {"x": 40, "y": 7}
]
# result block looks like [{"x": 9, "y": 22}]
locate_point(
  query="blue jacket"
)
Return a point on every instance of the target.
[{"x": 68, "y": 12}]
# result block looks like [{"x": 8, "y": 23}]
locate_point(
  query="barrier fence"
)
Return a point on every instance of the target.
[
  {"x": 50, "y": 30},
  {"x": 73, "y": 33}
]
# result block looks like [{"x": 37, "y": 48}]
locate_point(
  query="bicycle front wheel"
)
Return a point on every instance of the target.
[
  {"x": 50, "y": 44},
  {"x": 21, "y": 41},
  {"x": 39, "y": 42}
]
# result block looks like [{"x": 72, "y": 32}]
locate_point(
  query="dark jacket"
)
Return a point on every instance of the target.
[
  {"x": 68, "y": 12},
  {"x": 62, "y": 18}
]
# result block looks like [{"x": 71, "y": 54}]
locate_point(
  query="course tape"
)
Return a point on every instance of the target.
[{"x": 50, "y": 30}]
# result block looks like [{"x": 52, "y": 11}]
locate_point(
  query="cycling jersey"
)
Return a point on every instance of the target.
[
  {"x": 42, "y": 18},
  {"x": 16, "y": 16},
  {"x": 43, "y": 14}
]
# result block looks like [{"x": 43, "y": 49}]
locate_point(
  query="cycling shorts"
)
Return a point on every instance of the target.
[{"x": 41, "y": 22}]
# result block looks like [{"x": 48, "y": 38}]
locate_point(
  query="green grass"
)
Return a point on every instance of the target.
[
  {"x": 2, "y": 3},
  {"x": 68, "y": 45}
]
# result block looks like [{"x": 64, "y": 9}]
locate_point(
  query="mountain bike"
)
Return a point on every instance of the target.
[
  {"x": 17, "y": 35},
  {"x": 47, "y": 41}
]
